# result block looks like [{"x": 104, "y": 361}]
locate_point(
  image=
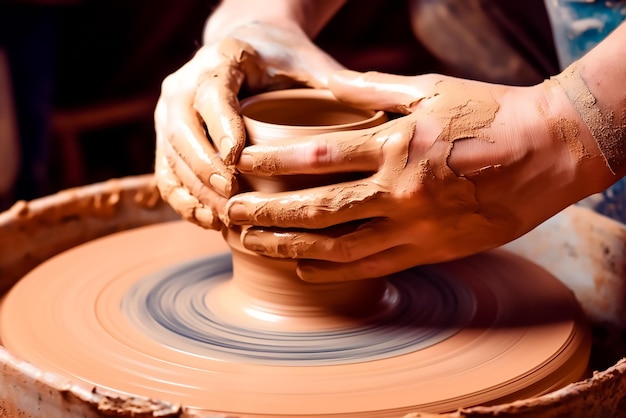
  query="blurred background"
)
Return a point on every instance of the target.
[
  {"x": 79, "y": 79},
  {"x": 83, "y": 78}
]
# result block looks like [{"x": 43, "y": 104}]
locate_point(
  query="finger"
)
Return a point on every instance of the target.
[
  {"x": 379, "y": 91},
  {"x": 349, "y": 151},
  {"x": 345, "y": 244},
  {"x": 205, "y": 195},
  {"x": 190, "y": 142},
  {"x": 319, "y": 207},
  {"x": 381, "y": 264},
  {"x": 216, "y": 98},
  {"x": 179, "y": 198},
  {"x": 204, "y": 198}
]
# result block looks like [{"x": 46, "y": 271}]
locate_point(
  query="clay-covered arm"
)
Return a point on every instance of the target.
[
  {"x": 595, "y": 86},
  {"x": 470, "y": 167},
  {"x": 199, "y": 132}
]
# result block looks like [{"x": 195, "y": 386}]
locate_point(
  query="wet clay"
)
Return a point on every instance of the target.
[
  {"x": 495, "y": 338},
  {"x": 463, "y": 119},
  {"x": 299, "y": 113},
  {"x": 269, "y": 287}
]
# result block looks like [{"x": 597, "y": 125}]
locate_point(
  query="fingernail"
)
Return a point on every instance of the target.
[
  {"x": 206, "y": 219},
  {"x": 246, "y": 162},
  {"x": 254, "y": 242},
  {"x": 238, "y": 214},
  {"x": 307, "y": 273},
  {"x": 220, "y": 184},
  {"x": 225, "y": 145}
]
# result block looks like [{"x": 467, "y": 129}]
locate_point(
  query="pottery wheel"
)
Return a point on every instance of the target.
[{"x": 146, "y": 312}]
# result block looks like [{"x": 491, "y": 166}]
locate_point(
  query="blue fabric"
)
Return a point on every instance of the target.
[
  {"x": 579, "y": 25},
  {"x": 611, "y": 202}
]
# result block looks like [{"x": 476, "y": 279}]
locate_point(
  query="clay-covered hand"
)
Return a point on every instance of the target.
[
  {"x": 469, "y": 167},
  {"x": 199, "y": 132}
]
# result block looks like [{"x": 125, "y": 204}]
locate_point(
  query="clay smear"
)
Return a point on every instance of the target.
[
  {"x": 608, "y": 131},
  {"x": 466, "y": 111},
  {"x": 464, "y": 118},
  {"x": 562, "y": 129}
]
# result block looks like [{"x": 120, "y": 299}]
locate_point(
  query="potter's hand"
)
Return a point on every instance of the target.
[
  {"x": 470, "y": 167},
  {"x": 199, "y": 130}
]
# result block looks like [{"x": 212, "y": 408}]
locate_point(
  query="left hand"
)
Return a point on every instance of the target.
[
  {"x": 199, "y": 131},
  {"x": 470, "y": 167}
]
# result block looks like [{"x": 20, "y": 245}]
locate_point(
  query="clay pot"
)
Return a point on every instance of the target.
[
  {"x": 299, "y": 113},
  {"x": 292, "y": 114},
  {"x": 287, "y": 114}
]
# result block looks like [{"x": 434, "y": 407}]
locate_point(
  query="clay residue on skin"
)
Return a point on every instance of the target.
[
  {"x": 337, "y": 198},
  {"x": 608, "y": 131},
  {"x": 463, "y": 117},
  {"x": 179, "y": 198},
  {"x": 410, "y": 169},
  {"x": 564, "y": 130},
  {"x": 466, "y": 111},
  {"x": 238, "y": 61}
]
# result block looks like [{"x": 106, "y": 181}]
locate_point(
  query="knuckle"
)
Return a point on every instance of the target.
[
  {"x": 205, "y": 90},
  {"x": 311, "y": 215},
  {"x": 345, "y": 248},
  {"x": 287, "y": 250},
  {"x": 206, "y": 218},
  {"x": 373, "y": 267},
  {"x": 319, "y": 154},
  {"x": 196, "y": 188},
  {"x": 169, "y": 84}
]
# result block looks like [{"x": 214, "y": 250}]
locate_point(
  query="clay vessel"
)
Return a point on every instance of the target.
[
  {"x": 264, "y": 284},
  {"x": 299, "y": 113}
]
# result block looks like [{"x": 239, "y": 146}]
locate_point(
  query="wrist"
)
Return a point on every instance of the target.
[
  {"x": 548, "y": 159},
  {"x": 567, "y": 124},
  {"x": 214, "y": 33},
  {"x": 305, "y": 16}
]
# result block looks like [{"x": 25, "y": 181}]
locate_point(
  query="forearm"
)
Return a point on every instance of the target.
[
  {"x": 310, "y": 16},
  {"x": 595, "y": 86}
]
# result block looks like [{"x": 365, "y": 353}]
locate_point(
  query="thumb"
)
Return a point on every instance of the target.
[{"x": 377, "y": 91}]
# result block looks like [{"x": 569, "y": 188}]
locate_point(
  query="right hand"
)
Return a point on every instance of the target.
[
  {"x": 199, "y": 131},
  {"x": 470, "y": 167}
]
